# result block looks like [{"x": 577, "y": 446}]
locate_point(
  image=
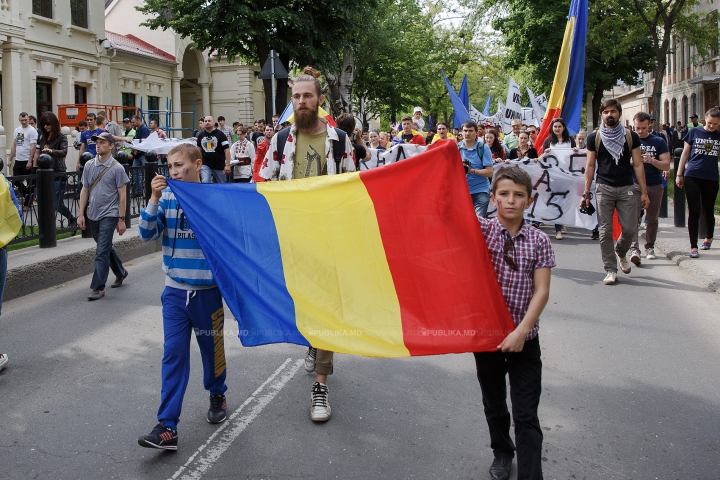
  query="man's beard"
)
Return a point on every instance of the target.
[
  {"x": 610, "y": 122},
  {"x": 305, "y": 120}
]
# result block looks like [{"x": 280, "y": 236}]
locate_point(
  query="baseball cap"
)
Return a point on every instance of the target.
[
  {"x": 126, "y": 120},
  {"x": 694, "y": 115},
  {"x": 417, "y": 109},
  {"x": 103, "y": 136},
  {"x": 489, "y": 124},
  {"x": 652, "y": 118}
]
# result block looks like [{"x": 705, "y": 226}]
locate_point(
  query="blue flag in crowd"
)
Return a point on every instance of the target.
[
  {"x": 461, "y": 114},
  {"x": 486, "y": 108}
]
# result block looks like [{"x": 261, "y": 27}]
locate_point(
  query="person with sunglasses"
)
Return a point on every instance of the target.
[{"x": 522, "y": 257}]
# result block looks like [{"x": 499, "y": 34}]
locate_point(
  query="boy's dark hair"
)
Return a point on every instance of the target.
[
  {"x": 470, "y": 124},
  {"x": 236, "y": 124},
  {"x": 91, "y": 115},
  {"x": 221, "y": 118},
  {"x": 610, "y": 102},
  {"x": 713, "y": 112},
  {"x": 187, "y": 150},
  {"x": 641, "y": 117},
  {"x": 82, "y": 123},
  {"x": 516, "y": 175},
  {"x": 346, "y": 122}
]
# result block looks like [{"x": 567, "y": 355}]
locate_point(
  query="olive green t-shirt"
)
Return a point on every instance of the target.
[{"x": 310, "y": 158}]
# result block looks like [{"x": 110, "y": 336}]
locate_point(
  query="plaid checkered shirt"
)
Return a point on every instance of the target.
[{"x": 532, "y": 250}]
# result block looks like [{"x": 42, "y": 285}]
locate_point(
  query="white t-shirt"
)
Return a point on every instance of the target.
[{"x": 25, "y": 138}]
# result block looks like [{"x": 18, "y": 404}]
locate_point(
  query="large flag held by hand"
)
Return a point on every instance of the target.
[
  {"x": 566, "y": 97},
  {"x": 388, "y": 262}
]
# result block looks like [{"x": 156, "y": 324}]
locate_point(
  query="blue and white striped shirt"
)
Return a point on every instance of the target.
[{"x": 184, "y": 264}]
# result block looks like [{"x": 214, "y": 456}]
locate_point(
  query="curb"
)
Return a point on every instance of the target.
[
  {"x": 56, "y": 271},
  {"x": 686, "y": 263}
]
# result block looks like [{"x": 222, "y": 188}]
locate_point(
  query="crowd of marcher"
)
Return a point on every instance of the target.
[{"x": 628, "y": 167}]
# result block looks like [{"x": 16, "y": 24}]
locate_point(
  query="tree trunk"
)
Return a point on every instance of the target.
[
  {"x": 596, "y": 102},
  {"x": 339, "y": 87}
]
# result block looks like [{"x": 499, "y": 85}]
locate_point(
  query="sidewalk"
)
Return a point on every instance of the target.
[
  {"x": 32, "y": 269},
  {"x": 674, "y": 243}
]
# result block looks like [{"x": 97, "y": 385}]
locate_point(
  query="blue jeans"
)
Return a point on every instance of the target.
[
  {"x": 207, "y": 174},
  {"x": 480, "y": 202},
  {"x": 60, "y": 207},
  {"x": 105, "y": 255},
  {"x": 3, "y": 272},
  {"x": 138, "y": 161}
]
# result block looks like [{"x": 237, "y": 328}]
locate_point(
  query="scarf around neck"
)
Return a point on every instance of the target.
[{"x": 614, "y": 140}]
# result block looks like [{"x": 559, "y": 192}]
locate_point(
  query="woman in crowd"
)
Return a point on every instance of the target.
[
  {"x": 385, "y": 140},
  {"x": 496, "y": 148},
  {"x": 698, "y": 174},
  {"x": 523, "y": 149},
  {"x": 54, "y": 143},
  {"x": 374, "y": 137},
  {"x": 559, "y": 138},
  {"x": 242, "y": 154}
]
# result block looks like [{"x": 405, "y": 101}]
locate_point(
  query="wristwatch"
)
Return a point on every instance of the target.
[{"x": 122, "y": 218}]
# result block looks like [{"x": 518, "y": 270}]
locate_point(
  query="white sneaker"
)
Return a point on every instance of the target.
[
  {"x": 650, "y": 254},
  {"x": 320, "y": 409},
  {"x": 635, "y": 257},
  {"x": 310, "y": 357},
  {"x": 624, "y": 264},
  {"x": 3, "y": 360},
  {"x": 610, "y": 278},
  {"x": 558, "y": 235}
]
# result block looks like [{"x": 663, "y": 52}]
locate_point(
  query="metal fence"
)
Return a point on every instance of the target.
[{"x": 66, "y": 199}]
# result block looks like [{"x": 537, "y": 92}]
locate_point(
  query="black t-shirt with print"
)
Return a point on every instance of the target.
[
  {"x": 609, "y": 172},
  {"x": 213, "y": 146}
]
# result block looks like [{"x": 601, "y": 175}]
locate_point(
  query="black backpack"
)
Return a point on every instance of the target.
[{"x": 338, "y": 145}]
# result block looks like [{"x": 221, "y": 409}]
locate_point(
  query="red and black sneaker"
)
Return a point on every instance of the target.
[
  {"x": 161, "y": 437},
  {"x": 218, "y": 409}
]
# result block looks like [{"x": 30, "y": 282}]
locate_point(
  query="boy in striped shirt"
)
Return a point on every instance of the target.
[{"x": 191, "y": 301}]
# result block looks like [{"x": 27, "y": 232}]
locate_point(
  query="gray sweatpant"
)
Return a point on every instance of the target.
[{"x": 610, "y": 199}]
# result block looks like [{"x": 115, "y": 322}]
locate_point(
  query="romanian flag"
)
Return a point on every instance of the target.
[
  {"x": 389, "y": 262},
  {"x": 566, "y": 97}
]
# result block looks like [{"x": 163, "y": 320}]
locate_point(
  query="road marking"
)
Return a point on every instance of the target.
[{"x": 254, "y": 405}]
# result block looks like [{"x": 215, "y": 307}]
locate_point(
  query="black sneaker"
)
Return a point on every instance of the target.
[
  {"x": 162, "y": 437},
  {"x": 595, "y": 235},
  {"x": 218, "y": 409}
]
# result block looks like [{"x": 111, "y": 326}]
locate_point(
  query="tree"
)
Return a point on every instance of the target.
[
  {"x": 304, "y": 32},
  {"x": 661, "y": 20},
  {"x": 533, "y": 40}
]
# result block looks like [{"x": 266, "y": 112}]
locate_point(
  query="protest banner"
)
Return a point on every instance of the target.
[
  {"x": 566, "y": 158},
  {"x": 161, "y": 146},
  {"x": 556, "y": 194},
  {"x": 513, "y": 108},
  {"x": 379, "y": 158}
]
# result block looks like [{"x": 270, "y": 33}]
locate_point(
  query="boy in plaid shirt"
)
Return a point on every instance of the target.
[{"x": 522, "y": 257}]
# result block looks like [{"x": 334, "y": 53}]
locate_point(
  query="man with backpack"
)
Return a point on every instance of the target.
[
  {"x": 308, "y": 148},
  {"x": 616, "y": 153},
  {"x": 478, "y": 163}
]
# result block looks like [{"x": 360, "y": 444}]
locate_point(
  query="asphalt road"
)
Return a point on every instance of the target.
[{"x": 630, "y": 390}]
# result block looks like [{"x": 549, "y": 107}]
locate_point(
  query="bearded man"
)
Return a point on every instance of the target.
[{"x": 308, "y": 148}]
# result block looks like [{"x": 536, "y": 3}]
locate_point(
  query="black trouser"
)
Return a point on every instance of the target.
[
  {"x": 23, "y": 190},
  {"x": 700, "y": 191},
  {"x": 524, "y": 370}
]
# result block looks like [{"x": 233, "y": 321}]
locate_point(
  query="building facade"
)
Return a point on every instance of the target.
[{"x": 55, "y": 52}]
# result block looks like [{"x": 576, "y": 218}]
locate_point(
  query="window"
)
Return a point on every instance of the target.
[
  {"x": 43, "y": 8},
  {"x": 43, "y": 95},
  {"x": 80, "y": 94},
  {"x": 79, "y": 13},
  {"x": 128, "y": 100},
  {"x": 153, "y": 107}
]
